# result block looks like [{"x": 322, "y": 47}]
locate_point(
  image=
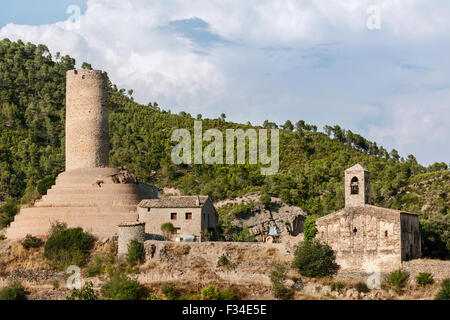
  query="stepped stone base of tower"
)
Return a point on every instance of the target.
[{"x": 96, "y": 199}]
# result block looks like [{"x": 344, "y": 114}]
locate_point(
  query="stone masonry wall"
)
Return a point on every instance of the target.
[
  {"x": 364, "y": 238},
  {"x": 87, "y": 132}
]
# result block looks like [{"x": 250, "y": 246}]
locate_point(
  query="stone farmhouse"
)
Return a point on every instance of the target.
[
  {"x": 366, "y": 237},
  {"x": 190, "y": 215}
]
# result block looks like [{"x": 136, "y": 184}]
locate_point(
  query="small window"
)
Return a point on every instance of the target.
[
  {"x": 148, "y": 209},
  {"x": 354, "y": 186},
  {"x": 386, "y": 233},
  {"x": 355, "y": 230},
  {"x": 173, "y": 216},
  {"x": 188, "y": 215}
]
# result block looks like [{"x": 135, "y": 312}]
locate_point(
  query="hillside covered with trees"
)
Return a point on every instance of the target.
[{"x": 312, "y": 163}]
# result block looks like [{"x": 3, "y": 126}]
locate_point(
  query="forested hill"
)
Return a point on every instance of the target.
[{"x": 312, "y": 164}]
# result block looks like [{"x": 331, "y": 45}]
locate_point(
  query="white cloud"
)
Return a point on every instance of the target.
[{"x": 278, "y": 60}]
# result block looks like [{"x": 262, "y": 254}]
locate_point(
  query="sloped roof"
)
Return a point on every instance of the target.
[
  {"x": 356, "y": 167},
  {"x": 174, "y": 202}
]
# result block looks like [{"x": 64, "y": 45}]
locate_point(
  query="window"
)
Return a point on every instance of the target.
[
  {"x": 354, "y": 186},
  {"x": 148, "y": 209},
  {"x": 355, "y": 230},
  {"x": 188, "y": 215},
  {"x": 386, "y": 233},
  {"x": 173, "y": 216}
]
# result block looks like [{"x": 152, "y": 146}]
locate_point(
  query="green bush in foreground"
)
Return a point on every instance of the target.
[
  {"x": 398, "y": 279},
  {"x": 86, "y": 292},
  {"x": 136, "y": 252},
  {"x": 444, "y": 293},
  {"x": 169, "y": 290},
  {"x": 313, "y": 259},
  {"x": 100, "y": 264},
  {"x": 211, "y": 293},
  {"x": 31, "y": 242},
  {"x": 67, "y": 246},
  {"x": 424, "y": 278},
  {"x": 277, "y": 277},
  {"x": 362, "y": 287},
  {"x": 14, "y": 291},
  {"x": 121, "y": 287}
]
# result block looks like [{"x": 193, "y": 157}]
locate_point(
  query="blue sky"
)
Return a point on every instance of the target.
[{"x": 264, "y": 59}]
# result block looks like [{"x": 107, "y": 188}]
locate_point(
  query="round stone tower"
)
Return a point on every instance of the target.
[
  {"x": 87, "y": 131},
  {"x": 129, "y": 231}
]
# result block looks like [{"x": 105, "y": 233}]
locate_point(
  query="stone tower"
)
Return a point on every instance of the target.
[
  {"x": 88, "y": 194},
  {"x": 87, "y": 134},
  {"x": 357, "y": 186}
]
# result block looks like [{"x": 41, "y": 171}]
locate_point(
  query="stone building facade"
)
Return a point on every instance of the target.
[
  {"x": 365, "y": 237},
  {"x": 190, "y": 215}
]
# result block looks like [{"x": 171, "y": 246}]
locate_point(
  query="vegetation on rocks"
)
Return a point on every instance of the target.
[
  {"x": 13, "y": 291},
  {"x": 314, "y": 259},
  {"x": 31, "y": 242},
  {"x": 67, "y": 246},
  {"x": 444, "y": 293},
  {"x": 278, "y": 276},
  {"x": 121, "y": 287},
  {"x": 86, "y": 292}
]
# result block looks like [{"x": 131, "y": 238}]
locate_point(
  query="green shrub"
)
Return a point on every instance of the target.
[
  {"x": 100, "y": 264},
  {"x": 167, "y": 229},
  {"x": 31, "y": 242},
  {"x": 2, "y": 237},
  {"x": 7, "y": 212},
  {"x": 227, "y": 295},
  {"x": 362, "y": 287},
  {"x": 398, "y": 279},
  {"x": 244, "y": 235},
  {"x": 121, "y": 287},
  {"x": 277, "y": 277},
  {"x": 14, "y": 291},
  {"x": 313, "y": 259},
  {"x": 211, "y": 293},
  {"x": 424, "y": 278},
  {"x": 309, "y": 227},
  {"x": 225, "y": 262},
  {"x": 86, "y": 292},
  {"x": 136, "y": 252},
  {"x": 44, "y": 184},
  {"x": 337, "y": 286},
  {"x": 444, "y": 293},
  {"x": 170, "y": 290},
  {"x": 67, "y": 246},
  {"x": 266, "y": 200}
]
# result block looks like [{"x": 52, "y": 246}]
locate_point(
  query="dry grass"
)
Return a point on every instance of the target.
[{"x": 21, "y": 258}]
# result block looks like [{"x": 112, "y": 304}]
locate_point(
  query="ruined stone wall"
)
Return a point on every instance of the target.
[
  {"x": 87, "y": 132},
  {"x": 364, "y": 238},
  {"x": 411, "y": 246}
]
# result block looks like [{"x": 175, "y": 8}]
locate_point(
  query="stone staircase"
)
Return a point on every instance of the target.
[{"x": 96, "y": 199}]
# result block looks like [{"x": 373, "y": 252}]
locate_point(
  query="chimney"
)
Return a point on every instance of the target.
[{"x": 197, "y": 202}]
